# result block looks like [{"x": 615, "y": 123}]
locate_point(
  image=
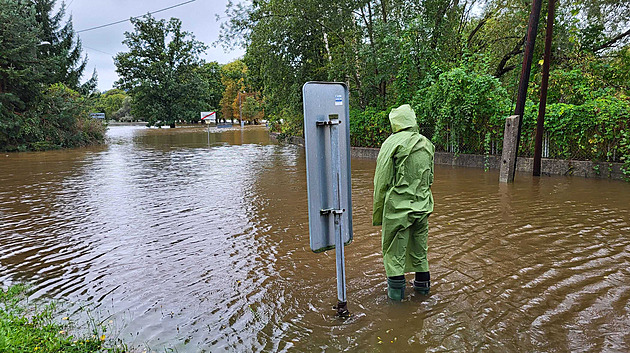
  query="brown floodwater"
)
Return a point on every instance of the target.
[{"x": 201, "y": 244}]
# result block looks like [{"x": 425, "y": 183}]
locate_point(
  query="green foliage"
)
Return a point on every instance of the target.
[
  {"x": 25, "y": 327},
  {"x": 287, "y": 47},
  {"x": 284, "y": 122},
  {"x": 239, "y": 100},
  {"x": 124, "y": 113},
  {"x": 60, "y": 49},
  {"x": 233, "y": 80},
  {"x": 387, "y": 50},
  {"x": 160, "y": 70},
  {"x": 460, "y": 109},
  {"x": 58, "y": 120},
  {"x": 111, "y": 103},
  {"x": 595, "y": 130},
  {"x": 586, "y": 78},
  {"x": 33, "y": 114},
  {"x": 456, "y": 62},
  {"x": 624, "y": 150},
  {"x": 64, "y": 119},
  {"x": 211, "y": 74},
  {"x": 20, "y": 71},
  {"x": 252, "y": 109},
  {"x": 370, "y": 127}
]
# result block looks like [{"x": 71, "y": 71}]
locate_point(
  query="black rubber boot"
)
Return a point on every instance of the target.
[
  {"x": 422, "y": 283},
  {"x": 396, "y": 288}
]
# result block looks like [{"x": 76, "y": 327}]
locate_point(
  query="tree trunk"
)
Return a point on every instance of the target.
[{"x": 384, "y": 10}]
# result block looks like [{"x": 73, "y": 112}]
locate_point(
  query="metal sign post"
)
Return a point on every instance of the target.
[
  {"x": 208, "y": 117},
  {"x": 240, "y": 109},
  {"x": 327, "y": 143}
]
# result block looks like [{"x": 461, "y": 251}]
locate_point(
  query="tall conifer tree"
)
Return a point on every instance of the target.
[{"x": 60, "y": 47}]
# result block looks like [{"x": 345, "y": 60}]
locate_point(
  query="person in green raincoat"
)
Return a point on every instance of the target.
[{"x": 403, "y": 202}]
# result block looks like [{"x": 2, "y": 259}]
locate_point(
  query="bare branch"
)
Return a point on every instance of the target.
[
  {"x": 518, "y": 49},
  {"x": 477, "y": 28},
  {"x": 612, "y": 41}
]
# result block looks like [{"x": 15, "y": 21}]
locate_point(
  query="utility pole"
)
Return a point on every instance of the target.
[
  {"x": 543, "y": 88},
  {"x": 240, "y": 108},
  {"x": 512, "y": 135}
]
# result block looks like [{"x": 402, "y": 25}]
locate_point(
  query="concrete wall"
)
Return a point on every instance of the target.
[{"x": 586, "y": 169}]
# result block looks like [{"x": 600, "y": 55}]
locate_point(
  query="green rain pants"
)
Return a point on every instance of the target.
[{"x": 405, "y": 250}]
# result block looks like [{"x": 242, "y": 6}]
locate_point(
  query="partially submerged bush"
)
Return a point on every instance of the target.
[{"x": 59, "y": 119}]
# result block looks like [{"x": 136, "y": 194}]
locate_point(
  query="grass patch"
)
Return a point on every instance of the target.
[{"x": 26, "y": 327}]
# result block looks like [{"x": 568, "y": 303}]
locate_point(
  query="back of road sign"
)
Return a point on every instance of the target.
[{"x": 326, "y": 102}]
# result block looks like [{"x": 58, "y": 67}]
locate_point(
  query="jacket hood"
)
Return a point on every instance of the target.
[{"x": 403, "y": 118}]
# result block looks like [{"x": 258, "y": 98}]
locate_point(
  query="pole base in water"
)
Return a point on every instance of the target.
[{"x": 342, "y": 310}]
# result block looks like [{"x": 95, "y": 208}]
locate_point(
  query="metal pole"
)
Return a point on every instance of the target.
[
  {"x": 543, "y": 89},
  {"x": 240, "y": 108},
  {"x": 532, "y": 30},
  {"x": 336, "y": 190}
]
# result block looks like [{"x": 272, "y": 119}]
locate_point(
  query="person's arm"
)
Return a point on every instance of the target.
[
  {"x": 432, "y": 165},
  {"x": 382, "y": 181}
]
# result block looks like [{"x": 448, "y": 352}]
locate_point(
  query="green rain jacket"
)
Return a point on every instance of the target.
[{"x": 404, "y": 174}]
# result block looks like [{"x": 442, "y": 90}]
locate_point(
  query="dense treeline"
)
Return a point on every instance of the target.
[
  {"x": 456, "y": 61},
  {"x": 168, "y": 81},
  {"x": 162, "y": 80},
  {"x": 43, "y": 105}
]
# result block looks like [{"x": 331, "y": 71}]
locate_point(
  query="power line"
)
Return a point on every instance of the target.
[
  {"x": 100, "y": 51},
  {"x": 148, "y": 13}
]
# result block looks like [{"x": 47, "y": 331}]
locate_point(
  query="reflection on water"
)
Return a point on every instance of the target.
[{"x": 201, "y": 243}]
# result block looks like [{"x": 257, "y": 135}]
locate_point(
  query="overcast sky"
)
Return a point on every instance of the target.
[{"x": 102, "y": 44}]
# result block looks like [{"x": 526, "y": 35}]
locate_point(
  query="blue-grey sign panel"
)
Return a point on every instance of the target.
[{"x": 325, "y": 102}]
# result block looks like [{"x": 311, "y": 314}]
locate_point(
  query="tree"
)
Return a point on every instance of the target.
[
  {"x": 60, "y": 48},
  {"x": 382, "y": 49},
  {"x": 160, "y": 70},
  {"x": 211, "y": 74},
  {"x": 233, "y": 79},
  {"x": 599, "y": 25},
  {"x": 124, "y": 113},
  {"x": 252, "y": 110},
  {"x": 391, "y": 52},
  {"x": 35, "y": 114},
  {"x": 289, "y": 43},
  {"x": 109, "y": 103},
  {"x": 20, "y": 70}
]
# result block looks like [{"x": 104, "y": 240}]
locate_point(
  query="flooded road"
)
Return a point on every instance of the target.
[{"x": 200, "y": 245}]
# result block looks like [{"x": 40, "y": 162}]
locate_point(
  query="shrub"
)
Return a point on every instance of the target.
[
  {"x": 369, "y": 128},
  {"x": 58, "y": 119},
  {"x": 595, "y": 130},
  {"x": 462, "y": 111},
  {"x": 286, "y": 122}
]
